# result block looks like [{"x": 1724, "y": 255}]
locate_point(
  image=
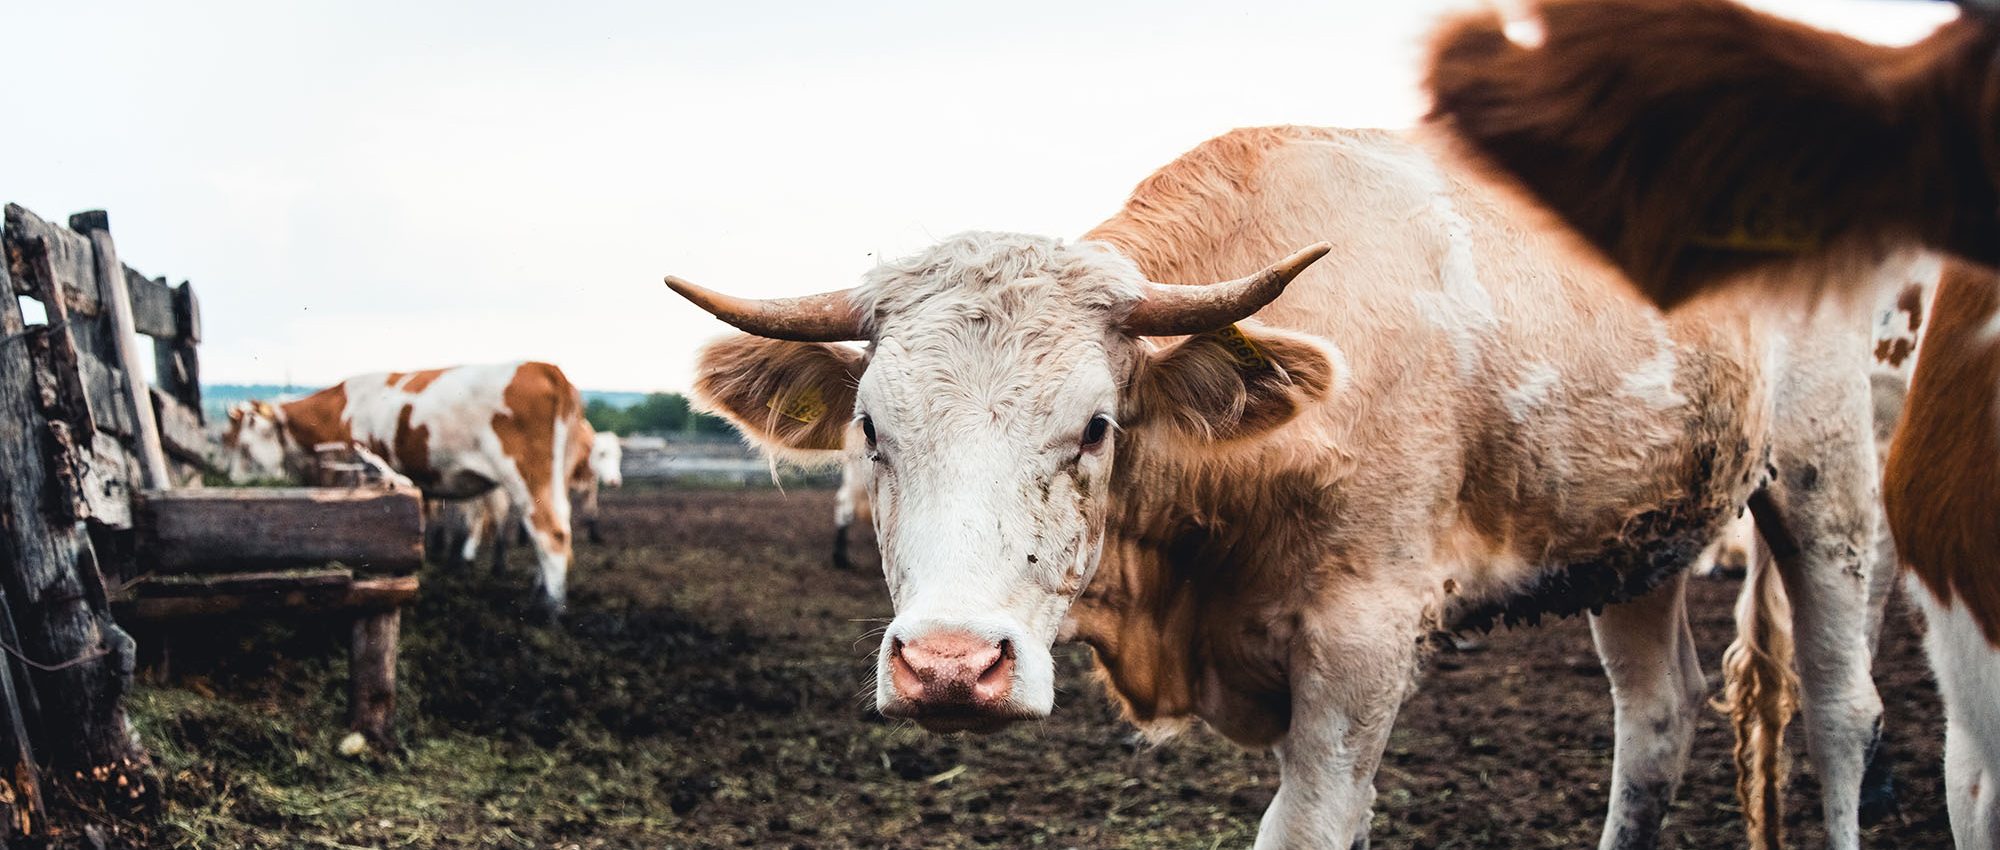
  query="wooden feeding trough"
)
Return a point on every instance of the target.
[
  {"x": 101, "y": 511},
  {"x": 233, "y": 552}
]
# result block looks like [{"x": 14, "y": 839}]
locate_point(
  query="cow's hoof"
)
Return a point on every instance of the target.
[
  {"x": 548, "y": 612},
  {"x": 1878, "y": 791}
]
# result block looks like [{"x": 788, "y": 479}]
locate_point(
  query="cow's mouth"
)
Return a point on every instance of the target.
[{"x": 942, "y": 719}]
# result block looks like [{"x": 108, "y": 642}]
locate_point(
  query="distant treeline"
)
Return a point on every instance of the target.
[
  {"x": 617, "y": 412},
  {"x": 656, "y": 413}
]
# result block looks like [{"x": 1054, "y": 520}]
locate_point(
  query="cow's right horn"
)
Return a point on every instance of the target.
[
  {"x": 1168, "y": 310},
  {"x": 826, "y": 317}
]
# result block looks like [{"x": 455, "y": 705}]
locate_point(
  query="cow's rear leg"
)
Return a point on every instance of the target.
[
  {"x": 1968, "y": 676},
  {"x": 1972, "y": 784},
  {"x": 1656, "y": 690},
  {"x": 1818, "y": 518},
  {"x": 1878, "y": 781}
]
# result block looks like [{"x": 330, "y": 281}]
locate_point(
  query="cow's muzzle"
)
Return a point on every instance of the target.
[{"x": 953, "y": 681}]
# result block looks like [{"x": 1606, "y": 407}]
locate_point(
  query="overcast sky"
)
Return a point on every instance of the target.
[{"x": 357, "y": 186}]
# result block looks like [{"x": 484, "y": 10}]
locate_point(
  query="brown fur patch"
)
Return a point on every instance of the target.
[
  {"x": 1939, "y": 484},
  {"x": 1911, "y": 301},
  {"x": 412, "y": 452},
  {"x": 1893, "y": 351},
  {"x": 1722, "y": 121},
  {"x": 319, "y": 418},
  {"x": 539, "y": 397},
  {"x": 756, "y": 382},
  {"x": 419, "y": 381}
]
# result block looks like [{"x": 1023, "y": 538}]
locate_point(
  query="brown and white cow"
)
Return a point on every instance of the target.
[
  {"x": 467, "y": 526},
  {"x": 1688, "y": 137},
  {"x": 458, "y": 433},
  {"x": 1455, "y": 418}
]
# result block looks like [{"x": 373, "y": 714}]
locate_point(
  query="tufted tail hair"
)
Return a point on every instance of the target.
[{"x": 1760, "y": 694}]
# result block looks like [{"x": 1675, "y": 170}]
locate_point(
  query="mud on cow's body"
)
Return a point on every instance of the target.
[
  {"x": 511, "y": 434},
  {"x": 1451, "y": 417}
]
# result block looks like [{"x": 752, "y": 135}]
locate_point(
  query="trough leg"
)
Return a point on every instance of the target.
[
  {"x": 1656, "y": 689},
  {"x": 371, "y": 705}
]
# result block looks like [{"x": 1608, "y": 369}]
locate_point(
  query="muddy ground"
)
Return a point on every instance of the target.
[{"x": 710, "y": 688}]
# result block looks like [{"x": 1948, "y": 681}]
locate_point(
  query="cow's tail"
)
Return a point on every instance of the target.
[{"x": 1760, "y": 695}]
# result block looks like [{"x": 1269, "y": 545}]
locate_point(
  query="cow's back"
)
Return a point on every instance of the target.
[
  {"x": 452, "y": 430},
  {"x": 1488, "y": 361}
]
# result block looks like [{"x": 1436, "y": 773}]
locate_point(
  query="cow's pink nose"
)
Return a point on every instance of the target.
[{"x": 945, "y": 671}]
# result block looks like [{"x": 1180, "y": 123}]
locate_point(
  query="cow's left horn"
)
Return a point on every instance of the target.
[
  {"x": 1169, "y": 310},
  {"x": 826, "y": 317}
]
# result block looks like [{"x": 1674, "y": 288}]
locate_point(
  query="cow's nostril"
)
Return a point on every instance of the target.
[
  {"x": 997, "y": 679},
  {"x": 902, "y": 676},
  {"x": 1003, "y": 656}
]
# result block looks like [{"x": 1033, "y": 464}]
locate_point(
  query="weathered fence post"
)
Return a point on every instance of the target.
[
  {"x": 82, "y": 660},
  {"x": 117, "y": 300}
]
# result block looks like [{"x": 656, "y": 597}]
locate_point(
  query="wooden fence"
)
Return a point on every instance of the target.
[{"x": 97, "y": 517}]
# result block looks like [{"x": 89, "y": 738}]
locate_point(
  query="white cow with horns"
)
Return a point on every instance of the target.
[{"x": 1259, "y": 509}]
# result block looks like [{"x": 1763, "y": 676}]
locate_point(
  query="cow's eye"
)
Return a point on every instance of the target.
[
  {"x": 1095, "y": 432},
  {"x": 868, "y": 429}
]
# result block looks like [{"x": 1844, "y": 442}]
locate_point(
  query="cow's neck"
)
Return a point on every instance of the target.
[
  {"x": 1193, "y": 547},
  {"x": 313, "y": 420}
]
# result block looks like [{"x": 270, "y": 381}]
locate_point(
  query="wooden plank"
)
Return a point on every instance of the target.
[
  {"x": 63, "y": 385},
  {"x": 182, "y": 377},
  {"x": 182, "y": 433},
  {"x": 107, "y": 483},
  {"x": 22, "y": 769},
  {"x": 68, "y": 264},
  {"x": 152, "y": 306},
  {"x": 374, "y": 530},
  {"x": 103, "y": 382},
  {"x": 187, "y": 313},
  {"x": 371, "y": 671},
  {"x": 60, "y": 402},
  {"x": 367, "y": 594},
  {"x": 50, "y": 575},
  {"x": 124, "y": 348},
  {"x": 333, "y": 579}
]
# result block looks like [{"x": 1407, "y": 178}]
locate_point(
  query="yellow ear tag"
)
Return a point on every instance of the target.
[
  {"x": 1241, "y": 349},
  {"x": 805, "y": 406}
]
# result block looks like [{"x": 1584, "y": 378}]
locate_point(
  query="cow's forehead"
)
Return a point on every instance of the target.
[
  {"x": 981, "y": 384},
  {"x": 1000, "y": 328},
  {"x": 1007, "y": 281}
]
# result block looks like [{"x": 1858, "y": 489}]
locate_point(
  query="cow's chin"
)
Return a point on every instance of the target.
[{"x": 978, "y": 721}]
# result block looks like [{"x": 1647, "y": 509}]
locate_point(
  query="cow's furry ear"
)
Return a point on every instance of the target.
[
  {"x": 1239, "y": 382},
  {"x": 793, "y": 399}
]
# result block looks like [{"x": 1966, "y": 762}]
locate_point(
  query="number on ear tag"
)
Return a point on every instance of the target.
[{"x": 1241, "y": 349}]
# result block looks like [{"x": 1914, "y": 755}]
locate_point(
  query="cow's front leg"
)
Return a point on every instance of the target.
[
  {"x": 1656, "y": 689},
  {"x": 1350, "y": 673}
]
